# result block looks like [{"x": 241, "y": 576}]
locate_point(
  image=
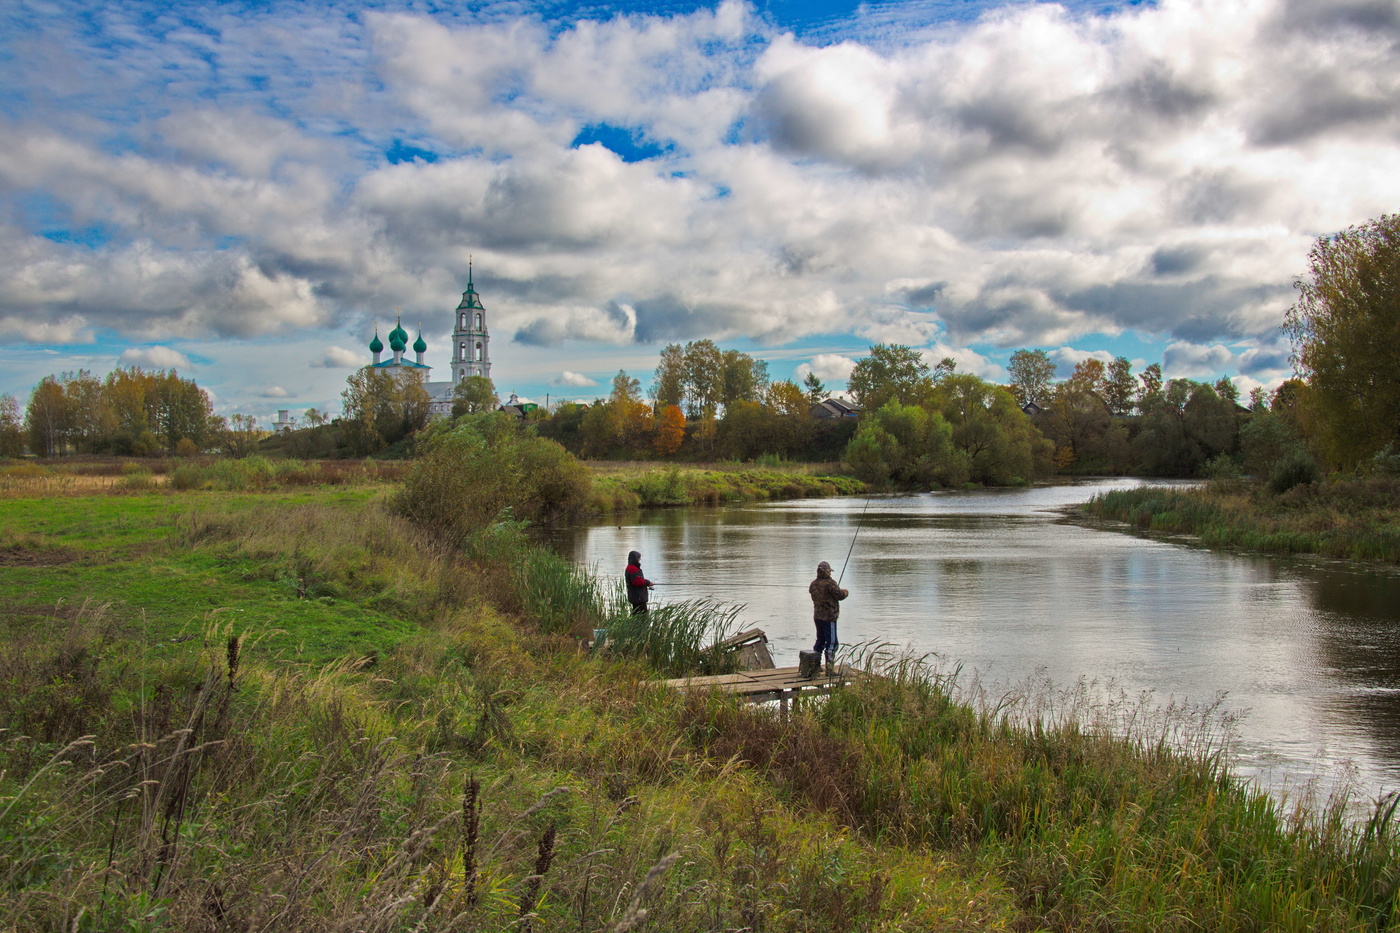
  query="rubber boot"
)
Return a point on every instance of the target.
[{"x": 830, "y": 669}]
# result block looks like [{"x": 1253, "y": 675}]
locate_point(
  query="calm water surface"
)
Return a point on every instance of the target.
[{"x": 1308, "y": 652}]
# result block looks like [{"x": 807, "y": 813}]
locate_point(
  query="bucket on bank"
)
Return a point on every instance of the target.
[
  {"x": 600, "y": 635},
  {"x": 809, "y": 664}
]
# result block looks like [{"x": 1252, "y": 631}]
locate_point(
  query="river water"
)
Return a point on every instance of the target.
[{"x": 1303, "y": 656}]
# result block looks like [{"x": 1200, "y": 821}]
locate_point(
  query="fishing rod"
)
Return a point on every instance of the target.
[
  {"x": 739, "y": 586},
  {"x": 859, "y": 522}
]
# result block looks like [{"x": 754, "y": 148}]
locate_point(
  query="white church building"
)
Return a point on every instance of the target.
[{"x": 471, "y": 354}]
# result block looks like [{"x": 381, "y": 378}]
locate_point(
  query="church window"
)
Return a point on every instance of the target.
[
  {"x": 463, "y": 325},
  {"x": 478, "y": 322},
  {"x": 478, "y": 353},
  {"x": 462, "y": 353}
]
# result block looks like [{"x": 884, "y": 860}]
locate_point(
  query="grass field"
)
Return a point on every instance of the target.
[{"x": 291, "y": 710}]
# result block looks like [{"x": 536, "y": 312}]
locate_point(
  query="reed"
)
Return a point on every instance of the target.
[{"x": 1349, "y": 518}]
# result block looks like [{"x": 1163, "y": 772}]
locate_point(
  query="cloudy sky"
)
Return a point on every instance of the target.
[{"x": 242, "y": 190}]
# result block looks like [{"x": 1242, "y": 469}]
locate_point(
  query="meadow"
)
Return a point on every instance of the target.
[{"x": 288, "y": 707}]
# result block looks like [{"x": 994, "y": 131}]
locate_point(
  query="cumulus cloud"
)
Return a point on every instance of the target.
[
  {"x": 1039, "y": 176},
  {"x": 154, "y": 357},
  {"x": 569, "y": 378},
  {"x": 275, "y": 392},
  {"x": 1067, "y": 358},
  {"x": 828, "y": 366},
  {"x": 1191, "y": 360},
  {"x": 341, "y": 358}
]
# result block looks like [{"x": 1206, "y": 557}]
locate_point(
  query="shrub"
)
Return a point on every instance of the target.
[
  {"x": 1297, "y": 469},
  {"x": 479, "y": 468}
]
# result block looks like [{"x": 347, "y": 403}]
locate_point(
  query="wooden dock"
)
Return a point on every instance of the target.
[{"x": 779, "y": 683}]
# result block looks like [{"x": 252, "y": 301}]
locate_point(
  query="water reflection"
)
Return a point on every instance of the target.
[{"x": 997, "y": 582}]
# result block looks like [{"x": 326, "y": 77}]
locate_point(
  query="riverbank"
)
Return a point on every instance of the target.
[
  {"x": 620, "y": 486},
  {"x": 291, "y": 710},
  {"x": 1353, "y": 519}
]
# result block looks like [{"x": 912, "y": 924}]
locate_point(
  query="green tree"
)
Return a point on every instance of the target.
[
  {"x": 816, "y": 389},
  {"x": 669, "y": 385},
  {"x": 1151, "y": 379},
  {"x": 472, "y": 396},
  {"x": 892, "y": 372},
  {"x": 1345, "y": 329},
  {"x": 907, "y": 447},
  {"x": 1119, "y": 387},
  {"x": 744, "y": 378},
  {"x": 1031, "y": 375},
  {"x": 704, "y": 379},
  {"x": 999, "y": 442}
]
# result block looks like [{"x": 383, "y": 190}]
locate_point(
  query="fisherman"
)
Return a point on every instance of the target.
[
  {"x": 826, "y": 607},
  {"x": 638, "y": 586}
]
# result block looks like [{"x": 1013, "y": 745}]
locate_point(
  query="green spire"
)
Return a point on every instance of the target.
[
  {"x": 420, "y": 345},
  {"x": 376, "y": 345}
]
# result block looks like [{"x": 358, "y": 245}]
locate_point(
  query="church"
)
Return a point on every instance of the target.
[{"x": 471, "y": 355}]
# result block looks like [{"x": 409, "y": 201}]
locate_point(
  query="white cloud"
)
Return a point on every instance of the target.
[
  {"x": 72, "y": 328},
  {"x": 156, "y": 357},
  {"x": 576, "y": 380},
  {"x": 340, "y": 358},
  {"x": 275, "y": 392},
  {"x": 827, "y": 366},
  {"x": 1043, "y": 176},
  {"x": 1067, "y": 358},
  {"x": 1188, "y": 360}
]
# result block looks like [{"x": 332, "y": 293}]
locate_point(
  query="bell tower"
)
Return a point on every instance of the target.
[{"x": 471, "y": 355}]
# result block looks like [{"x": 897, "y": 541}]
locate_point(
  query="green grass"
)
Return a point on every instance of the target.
[
  {"x": 167, "y": 566},
  {"x": 479, "y": 770}
]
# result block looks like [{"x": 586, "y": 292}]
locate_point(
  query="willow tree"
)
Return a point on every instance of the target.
[{"x": 1345, "y": 329}]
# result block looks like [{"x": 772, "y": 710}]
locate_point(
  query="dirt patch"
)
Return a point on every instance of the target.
[{"x": 17, "y": 555}]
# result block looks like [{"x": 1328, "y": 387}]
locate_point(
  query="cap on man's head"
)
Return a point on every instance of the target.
[
  {"x": 634, "y": 556},
  {"x": 824, "y": 566}
]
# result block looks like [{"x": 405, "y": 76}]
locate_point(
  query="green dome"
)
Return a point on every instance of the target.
[
  {"x": 420, "y": 345},
  {"x": 398, "y": 338},
  {"x": 376, "y": 345}
]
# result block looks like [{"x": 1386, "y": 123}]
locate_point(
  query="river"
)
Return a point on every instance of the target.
[{"x": 1301, "y": 658}]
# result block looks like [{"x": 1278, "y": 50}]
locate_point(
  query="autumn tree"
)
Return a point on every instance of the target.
[
  {"x": 47, "y": 418},
  {"x": 1032, "y": 372},
  {"x": 1345, "y": 329},
  {"x": 704, "y": 379},
  {"x": 1001, "y": 445},
  {"x": 11, "y": 427},
  {"x": 670, "y": 430},
  {"x": 382, "y": 407}
]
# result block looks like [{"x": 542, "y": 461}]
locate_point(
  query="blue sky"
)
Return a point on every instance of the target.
[{"x": 241, "y": 191}]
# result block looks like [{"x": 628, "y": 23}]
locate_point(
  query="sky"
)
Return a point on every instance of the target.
[{"x": 243, "y": 191}]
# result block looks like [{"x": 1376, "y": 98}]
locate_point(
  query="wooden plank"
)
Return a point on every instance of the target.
[{"x": 764, "y": 684}]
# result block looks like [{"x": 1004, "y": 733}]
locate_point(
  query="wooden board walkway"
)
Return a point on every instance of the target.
[{"x": 779, "y": 683}]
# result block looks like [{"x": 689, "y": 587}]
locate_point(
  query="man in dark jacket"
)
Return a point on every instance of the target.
[
  {"x": 826, "y": 607},
  {"x": 638, "y": 586}
]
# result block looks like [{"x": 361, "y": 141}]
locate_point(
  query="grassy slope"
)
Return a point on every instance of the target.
[
  {"x": 1355, "y": 519},
  {"x": 340, "y": 795}
]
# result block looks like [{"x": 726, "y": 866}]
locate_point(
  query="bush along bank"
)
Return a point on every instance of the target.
[
  {"x": 693, "y": 486},
  {"x": 1354, "y": 518}
]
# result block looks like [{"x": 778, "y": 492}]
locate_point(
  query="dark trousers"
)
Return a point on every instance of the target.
[
  {"x": 826, "y": 639},
  {"x": 639, "y": 609}
]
